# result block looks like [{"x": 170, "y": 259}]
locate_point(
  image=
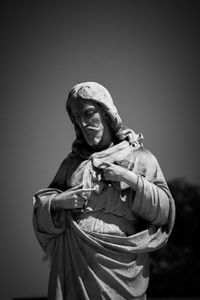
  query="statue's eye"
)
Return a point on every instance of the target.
[{"x": 90, "y": 112}]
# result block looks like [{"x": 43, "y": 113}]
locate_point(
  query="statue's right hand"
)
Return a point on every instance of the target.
[{"x": 69, "y": 200}]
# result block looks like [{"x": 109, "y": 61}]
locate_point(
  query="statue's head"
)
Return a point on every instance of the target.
[
  {"x": 95, "y": 117},
  {"x": 96, "y": 120}
]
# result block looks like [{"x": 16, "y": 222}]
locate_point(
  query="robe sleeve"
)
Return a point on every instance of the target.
[
  {"x": 152, "y": 198},
  {"x": 47, "y": 223}
]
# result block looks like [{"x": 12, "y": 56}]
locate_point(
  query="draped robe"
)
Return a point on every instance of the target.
[{"x": 102, "y": 251}]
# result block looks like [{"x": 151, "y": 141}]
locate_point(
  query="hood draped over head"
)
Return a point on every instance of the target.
[{"x": 94, "y": 91}]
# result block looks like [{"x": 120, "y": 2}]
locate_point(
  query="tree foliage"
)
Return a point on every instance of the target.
[{"x": 175, "y": 269}]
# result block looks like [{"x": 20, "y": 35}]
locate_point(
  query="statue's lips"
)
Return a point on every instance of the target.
[{"x": 90, "y": 130}]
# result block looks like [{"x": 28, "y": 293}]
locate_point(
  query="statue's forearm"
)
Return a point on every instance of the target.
[{"x": 130, "y": 178}]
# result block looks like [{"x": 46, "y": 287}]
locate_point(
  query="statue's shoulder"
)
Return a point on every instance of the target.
[
  {"x": 70, "y": 158},
  {"x": 66, "y": 160},
  {"x": 60, "y": 180},
  {"x": 144, "y": 153},
  {"x": 71, "y": 163},
  {"x": 145, "y": 158}
]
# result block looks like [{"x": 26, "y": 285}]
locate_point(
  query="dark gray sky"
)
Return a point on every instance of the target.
[{"x": 145, "y": 52}]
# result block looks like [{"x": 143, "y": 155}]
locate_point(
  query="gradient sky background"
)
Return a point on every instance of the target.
[{"x": 145, "y": 52}]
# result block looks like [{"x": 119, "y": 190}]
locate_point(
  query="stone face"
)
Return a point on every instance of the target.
[{"x": 96, "y": 92}]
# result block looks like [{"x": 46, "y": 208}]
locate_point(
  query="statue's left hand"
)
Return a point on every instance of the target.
[{"x": 113, "y": 172}]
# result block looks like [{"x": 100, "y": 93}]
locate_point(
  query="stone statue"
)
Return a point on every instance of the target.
[{"x": 106, "y": 209}]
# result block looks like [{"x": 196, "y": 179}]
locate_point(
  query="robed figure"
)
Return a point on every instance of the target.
[{"x": 107, "y": 208}]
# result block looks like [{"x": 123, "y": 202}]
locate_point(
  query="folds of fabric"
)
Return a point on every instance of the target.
[
  {"x": 89, "y": 265},
  {"x": 152, "y": 200}
]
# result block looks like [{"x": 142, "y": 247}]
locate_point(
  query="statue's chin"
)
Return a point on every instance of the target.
[{"x": 93, "y": 140}]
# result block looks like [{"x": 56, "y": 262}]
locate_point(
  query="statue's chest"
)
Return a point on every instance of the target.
[{"x": 84, "y": 170}]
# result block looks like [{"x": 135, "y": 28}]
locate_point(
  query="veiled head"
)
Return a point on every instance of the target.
[
  {"x": 97, "y": 94},
  {"x": 95, "y": 117}
]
